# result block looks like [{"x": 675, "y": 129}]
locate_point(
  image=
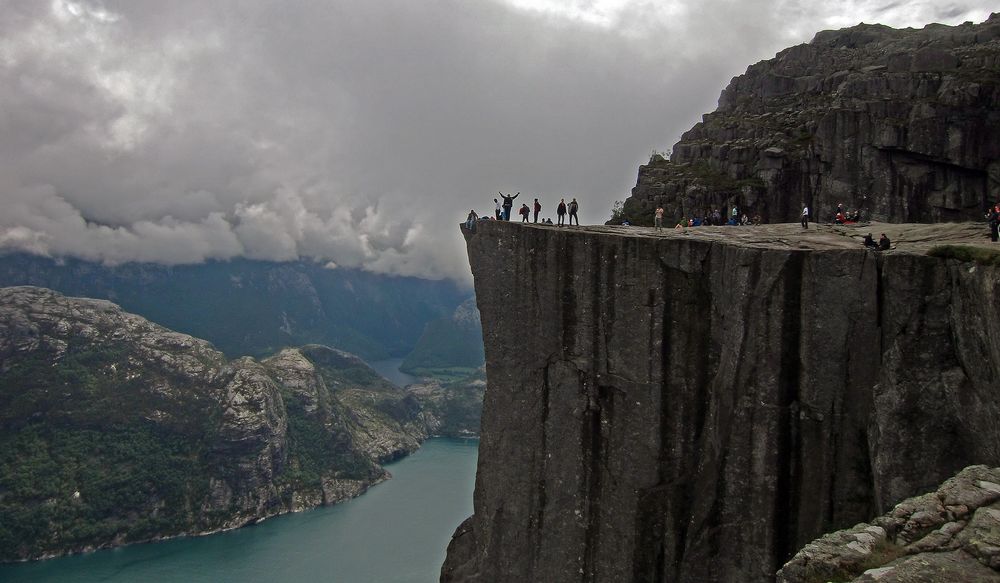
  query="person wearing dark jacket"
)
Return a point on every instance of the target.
[
  {"x": 993, "y": 215},
  {"x": 538, "y": 209},
  {"x": 870, "y": 241},
  {"x": 508, "y": 203},
  {"x": 883, "y": 243},
  {"x": 573, "y": 208},
  {"x": 561, "y": 212},
  {"x": 524, "y": 211}
]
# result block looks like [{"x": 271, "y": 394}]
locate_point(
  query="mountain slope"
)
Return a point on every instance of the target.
[{"x": 116, "y": 430}]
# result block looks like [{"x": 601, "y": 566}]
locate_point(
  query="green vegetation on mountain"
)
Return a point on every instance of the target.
[{"x": 115, "y": 430}]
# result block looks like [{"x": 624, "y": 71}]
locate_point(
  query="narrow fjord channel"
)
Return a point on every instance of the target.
[{"x": 397, "y": 532}]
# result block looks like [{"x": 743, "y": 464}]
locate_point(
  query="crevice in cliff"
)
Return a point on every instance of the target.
[
  {"x": 594, "y": 440},
  {"x": 542, "y": 498},
  {"x": 787, "y": 491}
]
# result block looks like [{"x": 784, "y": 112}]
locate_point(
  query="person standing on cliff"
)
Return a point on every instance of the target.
[
  {"x": 499, "y": 210},
  {"x": 573, "y": 208},
  {"x": 993, "y": 215},
  {"x": 524, "y": 212},
  {"x": 508, "y": 203},
  {"x": 805, "y": 217},
  {"x": 538, "y": 209},
  {"x": 561, "y": 212},
  {"x": 658, "y": 218}
]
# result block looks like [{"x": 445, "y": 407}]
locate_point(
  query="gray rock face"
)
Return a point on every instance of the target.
[
  {"x": 952, "y": 534},
  {"x": 696, "y": 406},
  {"x": 116, "y": 430},
  {"x": 901, "y": 124}
]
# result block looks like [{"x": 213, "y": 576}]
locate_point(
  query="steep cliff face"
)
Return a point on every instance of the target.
[
  {"x": 697, "y": 405},
  {"x": 116, "y": 430},
  {"x": 902, "y": 124}
]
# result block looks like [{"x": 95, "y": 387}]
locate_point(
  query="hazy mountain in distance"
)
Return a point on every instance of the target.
[{"x": 247, "y": 307}]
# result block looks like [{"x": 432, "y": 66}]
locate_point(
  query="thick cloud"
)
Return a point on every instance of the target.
[{"x": 358, "y": 133}]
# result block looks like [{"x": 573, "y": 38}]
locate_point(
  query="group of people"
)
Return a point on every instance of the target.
[
  {"x": 883, "y": 243},
  {"x": 502, "y": 211},
  {"x": 841, "y": 217},
  {"x": 993, "y": 216},
  {"x": 707, "y": 218}
]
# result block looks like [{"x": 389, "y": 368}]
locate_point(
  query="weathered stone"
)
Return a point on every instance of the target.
[
  {"x": 903, "y": 125},
  {"x": 695, "y": 405},
  {"x": 958, "y": 551}
]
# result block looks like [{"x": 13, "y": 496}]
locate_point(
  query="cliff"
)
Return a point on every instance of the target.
[
  {"x": 696, "y": 405},
  {"x": 115, "y": 430},
  {"x": 901, "y": 124}
]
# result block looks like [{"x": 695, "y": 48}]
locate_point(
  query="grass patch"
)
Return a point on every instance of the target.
[{"x": 966, "y": 253}]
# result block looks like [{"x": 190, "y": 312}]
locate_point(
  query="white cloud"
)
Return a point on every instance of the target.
[{"x": 356, "y": 133}]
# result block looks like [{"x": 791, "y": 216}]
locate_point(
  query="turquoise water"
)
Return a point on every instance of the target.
[{"x": 395, "y": 533}]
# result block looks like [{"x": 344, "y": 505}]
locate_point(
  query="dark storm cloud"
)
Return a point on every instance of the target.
[{"x": 353, "y": 132}]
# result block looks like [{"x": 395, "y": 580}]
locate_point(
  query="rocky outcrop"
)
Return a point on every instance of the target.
[
  {"x": 901, "y": 124},
  {"x": 952, "y": 534},
  {"x": 115, "y": 430},
  {"x": 697, "y": 405}
]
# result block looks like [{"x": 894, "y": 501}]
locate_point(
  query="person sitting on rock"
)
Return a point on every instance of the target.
[
  {"x": 470, "y": 221},
  {"x": 883, "y": 243},
  {"x": 870, "y": 241},
  {"x": 839, "y": 218}
]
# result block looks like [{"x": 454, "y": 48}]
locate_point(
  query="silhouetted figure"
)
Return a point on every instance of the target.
[
  {"x": 470, "y": 221},
  {"x": 561, "y": 212},
  {"x": 573, "y": 208},
  {"x": 538, "y": 209},
  {"x": 524, "y": 211},
  {"x": 870, "y": 241},
  {"x": 883, "y": 243},
  {"x": 499, "y": 209},
  {"x": 508, "y": 203},
  {"x": 993, "y": 215}
]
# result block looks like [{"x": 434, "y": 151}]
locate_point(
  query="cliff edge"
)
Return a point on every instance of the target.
[{"x": 696, "y": 405}]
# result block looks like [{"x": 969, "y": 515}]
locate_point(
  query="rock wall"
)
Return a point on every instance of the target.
[
  {"x": 901, "y": 124},
  {"x": 682, "y": 408}
]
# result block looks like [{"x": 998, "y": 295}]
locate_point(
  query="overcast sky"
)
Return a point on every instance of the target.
[{"x": 357, "y": 132}]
